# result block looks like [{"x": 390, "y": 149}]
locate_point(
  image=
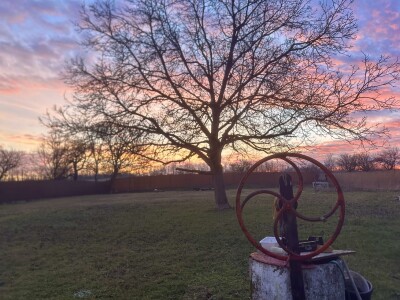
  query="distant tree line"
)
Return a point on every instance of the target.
[
  {"x": 66, "y": 155},
  {"x": 386, "y": 159},
  {"x": 61, "y": 157}
]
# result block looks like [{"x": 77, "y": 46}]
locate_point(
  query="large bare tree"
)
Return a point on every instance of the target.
[{"x": 202, "y": 76}]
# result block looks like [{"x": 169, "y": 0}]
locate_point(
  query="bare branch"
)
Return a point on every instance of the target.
[{"x": 194, "y": 171}]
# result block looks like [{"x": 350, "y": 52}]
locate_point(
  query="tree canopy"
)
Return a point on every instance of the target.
[{"x": 200, "y": 77}]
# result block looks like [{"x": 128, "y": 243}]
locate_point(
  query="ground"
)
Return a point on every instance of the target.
[{"x": 173, "y": 245}]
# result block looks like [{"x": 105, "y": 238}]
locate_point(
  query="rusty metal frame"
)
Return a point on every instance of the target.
[{"x": 288, "y": 205}]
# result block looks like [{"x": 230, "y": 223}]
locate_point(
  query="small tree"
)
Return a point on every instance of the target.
[
  {"x": 96, "y": 155},
  {"x": 272, "y": 166},
  {"x": 9, "y": 159},
  {"x": 121, "y": 149},
  {"x": 330, "y": 162},
  {"x": 77, "y": 153},
  {"x": 53, "y": 157},
  {"x": 240, "y": 166},
  {"x": 389, "y": 158},
  {"x": 347, "y": 162},
  {"x": 364, "y": 162}
]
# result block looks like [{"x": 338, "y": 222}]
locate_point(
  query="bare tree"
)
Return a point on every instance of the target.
[
  {"x": 27, "y": 170},
  {"x": 364, "y": 162},
  {"x": 389, "y": 158},
  {"x": 97, "y": 145},
  {"x": 9, "y": 160},
  {"x": 78, "y": 152},
  {"x": 272, "y": 166},
  {"x": 330, "y": 162},
  {"x": 121, "y": 150},
  {"x": 200, "y": 77},
  {"x": 347, "y": 162},
  {"x": 52, "y": 159},
  {"x": 96, "y": 155},
  {"x": 240, "y": 166}
]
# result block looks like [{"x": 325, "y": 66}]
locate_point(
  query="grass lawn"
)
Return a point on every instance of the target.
[{"x": 173, "y": 245}]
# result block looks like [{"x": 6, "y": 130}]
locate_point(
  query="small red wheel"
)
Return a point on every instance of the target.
[{"x": 287, "y": 205}]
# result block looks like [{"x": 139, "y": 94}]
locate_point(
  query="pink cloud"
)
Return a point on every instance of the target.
[
  {"x": 16, "y": 84},
  {"x": 28, "y": 142},
  {"x": 379, "y": 21},
  {"x": 7, "y": 87}
]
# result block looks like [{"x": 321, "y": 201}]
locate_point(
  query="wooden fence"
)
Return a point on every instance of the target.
[
  {"x": 194, "y": 181},
  {"x": 375, "y": 180},
  {"x": 28, "y": 190}
]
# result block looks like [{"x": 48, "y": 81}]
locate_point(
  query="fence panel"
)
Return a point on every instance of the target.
[
  {"x": 375, "y": 180},
  {"x": 29, "y": 190},
  {"x": 196, "y": 181}
]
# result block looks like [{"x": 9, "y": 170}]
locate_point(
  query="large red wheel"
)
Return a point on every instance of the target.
[{"x": 288, "y": 206}]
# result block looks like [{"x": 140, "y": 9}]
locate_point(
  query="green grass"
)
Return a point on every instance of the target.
[{"x": 172, "y": 245}]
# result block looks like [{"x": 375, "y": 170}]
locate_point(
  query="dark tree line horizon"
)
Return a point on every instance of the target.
[
  {"x": 196, "y": 78},
  {"x": 60, "y": 158}
]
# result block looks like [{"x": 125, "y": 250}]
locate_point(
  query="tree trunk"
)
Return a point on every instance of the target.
[
  {"x": 112, "y": 180},
  {"x": 75, "y": 176},
  {"x": 221, "y": 200}
]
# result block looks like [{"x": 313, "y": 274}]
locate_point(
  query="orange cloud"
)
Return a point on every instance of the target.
[{"x": 25, "y": 142}]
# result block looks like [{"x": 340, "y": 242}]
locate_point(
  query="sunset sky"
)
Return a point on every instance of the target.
[{"x": 38, "y": 36}]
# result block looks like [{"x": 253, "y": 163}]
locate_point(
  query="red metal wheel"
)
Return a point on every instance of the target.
[{"x": 287, "y": 205}]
